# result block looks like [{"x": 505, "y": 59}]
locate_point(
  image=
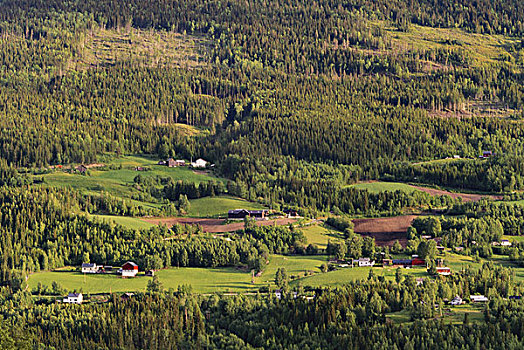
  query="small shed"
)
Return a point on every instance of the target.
[
  {"x": 127, "y": 296},
  {"x": 478, "y": 298},
  {"x": 456, "y": 301},
  {"x": 291, "y": 213},
  {"x": 443, "y": 271},
  {"x": 150, "y": 273},
  {"x": 81, "y": 168}
]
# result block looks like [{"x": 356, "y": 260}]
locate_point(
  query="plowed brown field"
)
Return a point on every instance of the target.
[
  {"x": 385, "y": 230},
  {"x": 215, "y": 225}
]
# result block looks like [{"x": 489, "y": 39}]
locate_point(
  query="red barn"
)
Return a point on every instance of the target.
[
  {"x": 129, "y": 269},
  {"x": 418, "y": 262}
]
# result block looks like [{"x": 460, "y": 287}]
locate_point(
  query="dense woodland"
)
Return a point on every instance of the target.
[{"x": 294, "y": 101}]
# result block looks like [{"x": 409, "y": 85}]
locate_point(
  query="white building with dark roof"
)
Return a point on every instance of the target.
[
  {"x": 74, "y": 298},
  {"x": 90, "y": 268}
]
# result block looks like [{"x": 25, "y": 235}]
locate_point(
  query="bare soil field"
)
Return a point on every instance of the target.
[
  {"x": 385, "y": 230},
  {"x": 215, "y": 225},
  {"x": 466, "y": 197}
]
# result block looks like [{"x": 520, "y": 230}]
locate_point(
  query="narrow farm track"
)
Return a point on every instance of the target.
[{"x": 466, "y": 197}]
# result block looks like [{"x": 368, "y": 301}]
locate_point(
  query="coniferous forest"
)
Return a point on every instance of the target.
[{"x": 376, "y": 147}]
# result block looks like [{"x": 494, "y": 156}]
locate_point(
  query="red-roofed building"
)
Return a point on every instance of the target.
[{"x": 129, "y": 269}]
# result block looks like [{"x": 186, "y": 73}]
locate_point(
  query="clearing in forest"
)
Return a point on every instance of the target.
[
  {"x": 380, "y": 186},
  {"x": 320, "y": 236},
  {"x": 117, "y": 178},
  {"x": 151, "y": 48}
]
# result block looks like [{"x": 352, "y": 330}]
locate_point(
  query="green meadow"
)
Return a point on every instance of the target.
[
  {"x": 219, "y": 206},
  {"x": 320, "y": 235},
  {"x": 450, "y": 314},
  {"x": 126, "y": 221},
  {"x": 302, "y": 270},
  {"x": 117, "y": 179},
  {"x": 202, "y": 280},
  {"x": 346, "y": 275},
  {"x": 380, "y": 186}
]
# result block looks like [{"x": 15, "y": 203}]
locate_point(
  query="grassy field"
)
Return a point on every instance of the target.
[
  {"x": 294, "y": 265},
  {"x": 319, "y": 235},
  {"x": 203, "y": 280},
  {"x": 521, "y": 202},
  {"x": 455, "y": 316},
  {"x": 517, "y": 239},
  {"x": 118, "y": 182},
  {"x": 208, "y": 280},
  {"x": 345, "y": 275},
  {"x": 219, "y": 206},
  {"x": 129, "y": 222},
  {"x": 380, "y": 186}
]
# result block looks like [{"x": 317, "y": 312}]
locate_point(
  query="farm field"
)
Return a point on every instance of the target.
[
  {"x": 385, "y": 230},
  {"x": 380, "y": 186},
  {"x": 210, "y": 280},
  {"x": 517, "y": 239},
  {"x": 295, "y": 265},
  {"x": 320, "y": 235},
  {"x": 466, "y": 197},
  {"x": 118, "y": 182},
  {"x": 202, "y": 280},
  {"x": 346, "y": 275},
  {"x": 219, "y": 206},
  {"x": 126, "y": 221},
  {"x": 215, "y": 225}
]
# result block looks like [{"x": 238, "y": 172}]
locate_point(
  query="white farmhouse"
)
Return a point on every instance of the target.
[
  {"x": 478, "y": 298},
  {"x": 505, "y": 243},
  {"x": 199, "y": 163},
  {"x": 89, "y": 268},
  {"x": 364, "y": 262},
  {"x": 74, "y": 298},
  {"x": 456, "y": 301}
]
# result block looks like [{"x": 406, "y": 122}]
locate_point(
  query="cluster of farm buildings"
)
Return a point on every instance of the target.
[
  {"x": 257, "y": 214},
  {"x": 129, "y": 269},
  {"x": 173, "y": 163},
  {"x": 415, "y": 261}
]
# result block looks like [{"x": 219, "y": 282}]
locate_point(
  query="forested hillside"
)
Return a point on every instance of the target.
[{"x": 288, "y": 104}]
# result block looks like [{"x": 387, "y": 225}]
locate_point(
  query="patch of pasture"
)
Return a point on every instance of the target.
[{"x": 219, "y": 206}]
